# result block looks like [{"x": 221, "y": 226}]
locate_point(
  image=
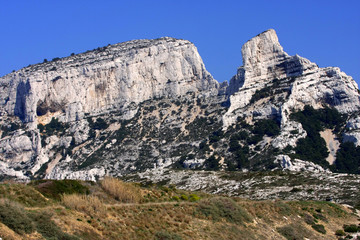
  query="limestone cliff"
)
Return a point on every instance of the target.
[
  {"x": 111, "y": 79},
  {"x": 298, "y": 81},
  {"x": 106, "y": 79},
  {"x": 150, "y": 104},
  {"x": 272, "y": 84}
]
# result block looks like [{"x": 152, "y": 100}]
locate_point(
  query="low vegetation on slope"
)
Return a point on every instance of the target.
[
  {"x": 313, "y": 147},
  {"x": 101, "y": 211}
]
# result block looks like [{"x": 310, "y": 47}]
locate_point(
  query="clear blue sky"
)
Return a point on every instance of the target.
[{"x": 325, "y": 32}]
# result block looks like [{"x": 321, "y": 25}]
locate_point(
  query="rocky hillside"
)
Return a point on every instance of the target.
[{"x": 150, "y": 104}]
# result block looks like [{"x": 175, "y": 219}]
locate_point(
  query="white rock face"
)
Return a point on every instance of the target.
[
  {"x": 18, "y": 148},
  {"x": 88, "y": 175},
  {"x": 286, "y": 137},
  {"x": 298, "y": 82},
  {"x": 298, "y": 165},
  {"x": 106, "y": 79},
  {"x": 353, "y": 130},
  {"x": 115, "y": 78},
  {"x": 156, "y": 103}
]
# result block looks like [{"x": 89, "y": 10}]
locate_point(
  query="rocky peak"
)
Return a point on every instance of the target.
[
  {"x": 264, "y": 60},
  {"x": 267, "y": 68},
  {"x": 261, "y": 50}
]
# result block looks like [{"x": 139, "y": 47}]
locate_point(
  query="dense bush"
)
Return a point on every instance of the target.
[
  {"x": 99, "y": 124},
  {"x": 340, "y": 232},
  {"x": 21, "y": 221},
  {"x": 14, "y": 216},
  {"x": 23, "y": 194},
  {"x": 348, "y": 158},
  {"x": 184, "y": 197},
  {"x": 351, "y": 228},
  {"x": 53, "y": 126},
  {"x": 293, "y": 231},
  {"x": 165, "y": 235},
  {"x": 262, "y": 93},
  {"x": 316, "y": 120},
  {"x": 194, "y": 198},
  {"x": 47, "y": 228},
  {"x": 219, "y": 208},
  {"x": 269, "y": 127},
  {"x": 313, "y": 147},
  {"x": 320, "y": 228},
  {"x": 7, "y": 129},
  {"x": 56, "y": 188},
  {"x": 216, "y": 136},
  {"x": 212, "y": 163}
]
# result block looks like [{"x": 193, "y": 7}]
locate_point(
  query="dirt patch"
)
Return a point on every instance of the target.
[{"x": 332, "y": 144}]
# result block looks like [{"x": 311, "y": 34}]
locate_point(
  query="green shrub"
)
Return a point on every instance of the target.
[
  {"x": 351, "y": 228},
  {"x": 184, "y": 197},
  {"x": 99, "y": 124},
  {"x": 216, "y": 136},
  {"x": 176, "y": 198},
  {"x": 164, "y": 235},
  {"x": 313, "y": 146},
  {"x": 41, "y": 127},
  {"x": 293, "y": 231},
  {"x": 283, "y": 208},
  {"x": 47, "y": 228},
  {"x": 212, "y": 163},
  {"x": 194, "y": 198},
  {"x": 320, "y": 228},
  {"x": 14, "y": 216},
  {"x": 269, "y": 127},
  {"x": 357, "y": 205},
  {"x": 340, "y": 232},
  {"x": 55, "y": 188},
  {"x": 348, "y": 158},
  {"x": 7, "y": 129},
  {"x": 218, "y": 208},
  {"x": 320, "y": 217},
  {"x": 54, "y": 126},
  {"x": 23, "y": 194},
  {"x": 309, "y": 219},
  {"x": 260, "y": 94}
]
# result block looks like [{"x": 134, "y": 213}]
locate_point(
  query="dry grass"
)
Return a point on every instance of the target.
[
  {"x": 121, "y": 191},
  {"x": 100, "y": 216},
  {"x": 7, "y": 233},
  {"x": 90, "y": 205}
]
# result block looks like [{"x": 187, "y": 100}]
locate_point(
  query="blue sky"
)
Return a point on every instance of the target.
[{"x": 325, "y": 32}]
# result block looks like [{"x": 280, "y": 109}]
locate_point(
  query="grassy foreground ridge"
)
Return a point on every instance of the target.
[{"x": 113, "y": 209}]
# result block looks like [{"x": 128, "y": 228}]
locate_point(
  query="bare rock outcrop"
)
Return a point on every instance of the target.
[
  {"x": 104, "y": 80},
  {"x": 273, "y": 84}
]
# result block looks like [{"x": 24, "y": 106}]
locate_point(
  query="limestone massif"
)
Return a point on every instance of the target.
[{"x": 147, "y": 104}]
